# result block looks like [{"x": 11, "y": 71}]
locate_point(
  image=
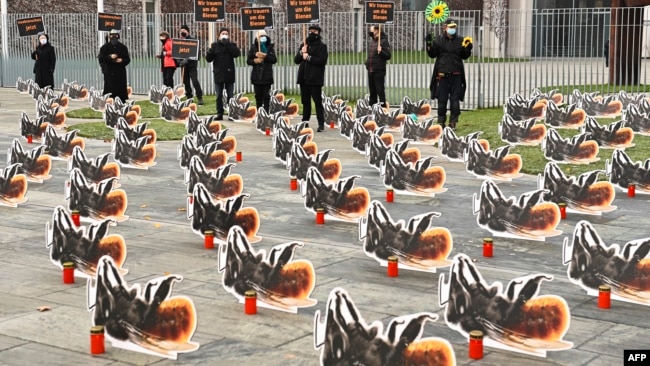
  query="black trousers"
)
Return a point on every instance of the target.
[
  {"x": 376, "y": 82},
  {"x": 190, "y": 75},
  {"x": 168, "y": 76},
  {"x": 307, "y": 93},
  {"x": 449, "y": 90},
  {"x": 262, "y": 96}
]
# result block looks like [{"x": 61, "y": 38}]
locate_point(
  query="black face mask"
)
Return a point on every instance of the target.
[
  {"x": 114, "y": 40},
  {"x": 163, "y": 40},
  {"x": 371, "y": 35},
  {"x": 313, "y": 38},
  {"x": 183, "y": 34}
]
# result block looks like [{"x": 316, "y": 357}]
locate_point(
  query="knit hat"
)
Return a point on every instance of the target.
[
  {"x": 261, "y": 32},
  {"x": 450, "y": 23},
  {"x": 185, "y": 27},
  {"x": 114, "y": 31},
  {"x": 224, "y": 30},
  {"x": 316, "y": 27}
]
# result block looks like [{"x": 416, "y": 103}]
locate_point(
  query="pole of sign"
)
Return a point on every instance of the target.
[
  {"x": 35, "y": 45},
  {"x": 259, "y": 46},
  {"x": 379, "y": 36},
  {"x": 304, "y": 35},
  {"x": 3, "y": 31}
]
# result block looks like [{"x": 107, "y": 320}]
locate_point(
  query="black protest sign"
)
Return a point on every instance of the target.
[
  {"x": 209, "y": 10},
  {"x": 303, "y": 11},
  {"x": 30, "y": 26},
  {"x": 107, "y": 22},
  {"x": 185, "y": 48},
  {"x": 379, "y": 12},
  {"x": 256, "y": 18}
]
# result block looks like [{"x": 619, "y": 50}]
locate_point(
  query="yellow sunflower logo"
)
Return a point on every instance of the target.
[
  {"x": 467, "y": 41},
  {"x": 437, "y": 12}
]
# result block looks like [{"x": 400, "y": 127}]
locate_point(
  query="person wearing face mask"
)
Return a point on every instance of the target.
[
  {"x": 448, "y": 82},
  {"x": 223, "y": 53},
  {"x": 115, "y": 57},
  {"x": 261, "y": 57},
  {"x": 312, "y": 58},
  {"x": 190, "y": 73},
  {"x": 378, "y": 54},
  {"x": 45, "y": 57},
  {"x": 167, "y": 63}
]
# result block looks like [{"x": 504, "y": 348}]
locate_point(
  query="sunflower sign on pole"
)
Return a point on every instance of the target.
[{"x": 437, "y": 12}]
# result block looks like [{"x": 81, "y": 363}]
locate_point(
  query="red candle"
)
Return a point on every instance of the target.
[
  {"x": 393, "y": 269},
  {"x": 68, "y": 272},
  {"x": 476, "y": 344},
  {"x": 30, "y": 139},
  {"x": 97, "y": 340},
  {"x": 190, "y": 198},
  {"x": 208, "y": 239},
  {"x": 488, "y": 247},
  {"x": 332, "y": 124},
  {"x": 390, "y": 195},
  {"x": 250, "y": 302},
  {"x": 238, "y": 156},
  {"x": 268, "y": 131},
  {"x": 76, "y": 219},
  {"x": 562, "y": 210},
  {"x": 320, "y": 216},
  {"x": 631, "y": 190},
  {"x": 604, "y": 297},
  {"x": 294, "y": 184}
]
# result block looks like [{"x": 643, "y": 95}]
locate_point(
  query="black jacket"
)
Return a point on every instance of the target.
[
  {"x": 44, "y": 66},
  {"x": 312, "y": 70},
  {"x": 115, "y": 73},
  {"x": 223, "y": 54},
  {"x": 262, "y": 73},
  {"x": 449, "y": 53},
  {"x": 377, "y": 61}
]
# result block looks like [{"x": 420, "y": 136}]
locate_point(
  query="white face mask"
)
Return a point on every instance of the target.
[
  {"x": 451, "y": 31},
  {"x": 262, "y": 39},
  {"x": 43, "y": 41},
  {"x": 224, "y": 36}
]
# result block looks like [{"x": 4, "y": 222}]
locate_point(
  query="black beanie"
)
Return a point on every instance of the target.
[
  {"x": 185, "y": 27},
  {"x": 224, "y": 30}
]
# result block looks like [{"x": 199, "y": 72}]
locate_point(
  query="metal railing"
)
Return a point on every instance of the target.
[{"x": 523, "y": 50}]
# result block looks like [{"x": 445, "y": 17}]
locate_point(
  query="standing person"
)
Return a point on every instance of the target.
[
  {"x": 190, "y": 73},
  {"x": 262, "y": 57},
  {"x": 448, "y": 80},
  {"x": 606, "y": 53},
  {"x": 45, "y": 57},
  {"x": 223, "y": 53},
  {"x": 378, "y": 54},
  {"x": 312, "y": 58},
  {"x": 115, "y": 56},
  {"x": 167, "y": 63}
]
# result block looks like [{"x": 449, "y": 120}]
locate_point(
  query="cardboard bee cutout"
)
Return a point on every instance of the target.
[
  {"x": 37, "y": 92},
  {"x": 295, "y": 131},
  {"x": 136, "y": 153},
  {"x": 23, "y": 86},
  {"x": 147, "y": 320},
  {"x": 346, "y": 124},
  {"x": 219, "y": 183},
  {"x": 136, "y": 131},
  {"x": 637, "y": 120},
  {"x": 392, "y": 120},
  {"x": 95, "y": 201},
  {"x": 527, "y": 217},
  {"x": 219, "y": 216},
  {"x": 345, "y": 338},
  {"x": 516, "y": 318},
  {"x": 281, "y": 283},
  {"x": 593, "y": 263},
  {"x": 552, "y": 96},
  {"x": 453, "y": 147},
  {"x": 35, "y": 164},
  {"x": 363, "y": 107},
  {"x": 288, "y": 108},
  {"x": 583, "y": 194},
  {"x": 361, "y": 135},
  {"x": 226, "y": 143},
  {"x": 419, "y": 178},
  {"x": 578, "y": 149},
  {"x": 35, "y": 128},
  {"x": 299, "y": 163},
  {"x": 176, "y": 111},
  {"x": 98, "y": 101},
  {"x": 421, "y": 108},
  {"x": 240, "y": 110},
  {"x": 211, "y": 123},
  {"x": 416, "y": 245},
  {"x": 521, "y": 132},
  {"x": 13, "y": 186},
  {"x": 596, "y": 105},
  {"x": 376, "y": 149},
  {"x": 568, "y": 117},
  {"x": 156, "y": 95},
  {"x": 492, "y": 164},
  {"x": 282, "y": 145},
  {"x": 210, "y": 155},
  {"x": 612, "y": 136},
  {"x": 83, "y": 245},
  {"x": 94, "y": 170},
  {"x": 74, "y": 91},
  {"x": 265, "y": 120},
  {"x": 60, "y": 147},
  {"x": 340, "y": 200},
  {"x": 520, "y": 108},
  {"x": 623, "y": 171},
  {"x": 333, "y": 108},
  {"x": 55, "y": 116},
  {"x": 427, "y": 132},
  {"x": 129, "y": 111},
  {"x": 627, "y": 99}
]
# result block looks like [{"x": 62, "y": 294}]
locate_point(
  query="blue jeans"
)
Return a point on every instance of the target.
[{"x": 219, "y": 87}]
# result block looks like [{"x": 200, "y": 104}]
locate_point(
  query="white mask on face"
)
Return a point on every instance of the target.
[
  {"x": 262, "y": 39},
  {"x": 224, "y": 36},
  {"x": 451, "y": 31},
  {"x": 43, "y": 41}
]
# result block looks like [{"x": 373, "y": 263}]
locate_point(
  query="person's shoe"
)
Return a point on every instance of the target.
[
  {"x": 452, "y": 125},
  {"x": 219, "y": 117},
  {"x": 200, "y": 101},
  {"x": 306, "y": 123},
  {"x": 320, "y": 129}
]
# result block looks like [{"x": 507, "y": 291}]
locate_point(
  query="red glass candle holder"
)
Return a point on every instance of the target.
[
  {"x": 238, "y": 157},
  {"x": 190, "y": 198},
  {"x": 68, "y": 272},
  {"x": 320, "y": 216},
  {"x": 476, "y": 344},
  {"x": 293, "y": 184},
  {"x": 30, "y": 139},
  {"x": 97, "y": 346},
  {"x": 604, "y": 297},
  {"x": 250, "y": 302},
  {"x": 268, "y": 132},
  {"x": 562, "y": 207},
  {"x": 390, "y": 195},
  {"x": 332, "y": 124},
  {"x": 208, "y": 239},
  {"x": 631, "y": 190},
  {"x": 488, "y": 247},
  {"x": 76, "y": 218},
  {"x": 393, "y": 269}
]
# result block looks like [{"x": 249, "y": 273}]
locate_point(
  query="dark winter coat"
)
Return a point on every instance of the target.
[
  {"x": 223, "y": 53},
  {"x": 377, "y": 61},
  {"x": 262, "y": 73},
  {"x": 115, "y": 73},
  {"x": 190, "y": 63},
  {"x": 44, "y": 66},
  {"x": 312, "y": 70},
  {"x": 449, "y": 53}
]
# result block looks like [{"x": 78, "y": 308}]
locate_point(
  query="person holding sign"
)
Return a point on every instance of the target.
[
  {"x": 262, "y": 57},
  {"x": 167, "y": 63},
  {"x": 115, "y": 57},
  {"x": 223, "y": 53},
  {"x": 312, "y": 58},
  {"x": 378, "y": 54},
  {"x": 448, "y": 80},
  {"x": 190, "y": 73},
  {"x": 45, "y": 57}
]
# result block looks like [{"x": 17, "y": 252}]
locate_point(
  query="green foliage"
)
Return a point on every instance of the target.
[{"x": 165, "y": 131}]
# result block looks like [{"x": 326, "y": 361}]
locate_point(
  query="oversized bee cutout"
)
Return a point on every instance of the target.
[
  {"x": 598, "y": 106},
  {"x": 209, "y": 154},
  {"x": 347, "y": 123},
  {"x": 36, "y": 128},
  {"x": 528, "y": 217},
  {"x": 35, "y": 164},
  {"x": 576, "y": 150},
  {"x": 264, "y": 120},
  {"x": 98, "y": 101},
  {"x": 281, "y": 283},
  {"x": 54, "y": 116},
  {"x": 95, "y": 201},
  {"x": 148, "y": 320},
  {"x": 133, "y": 153},
  {"x": 23, "y": 86},
  {"x": 176, "y": 111},
  {"x": 84, "y": 245},
  {"x": 219, "y": 183},
  {"x": 421, "y": 108},
  {"x": 94, "y": 170},
  {"x": 220, "y": 216},
  {"x": 623, "y": 171},
  {"x": 453, "y": 147},
  {"x": 293, "y": 132},
  {"x": 492, "y": 164},
  {"x": 593, "y": 263},
  {"x": 210, "y": 123},
  {"x": 636, "y": 120},
  {"x": 377, "y": 150},
  {"x": 583, "y": 194},
  {"x": 287, "y": 107},
  {"x": 299, "y": 163},
  {"x": 392, "y": 120},
  {"x": 363, "y": 107},
  {"x": 137, "y": 131},
  {"x": 239, "y": 109},
  {"x": 13, "y": 186},
  {"x": 552, "y": 96},
  {"x": 516, "y": 319},
  {"x": 520, "y": 108},
  {"x": 339, "y": 200},
  {"x": 226, "y": 143},
  {"x": 277, "y": 93},
  {"x": 521, "y": 132},
  {"x": 113, "y": 112},
  {"x": 420, "y": 178},
  {"x": 415, "y": 244},
  {"x": 334, "y": 108},
  {"x": 60, "y": 147},
  {"x": 346, "y": 338},
  {"x": 282, "y": 145},
  {"x": 156, "y": 95},
  {"x": 427, "y": 132},
  {"x": 74, "y": 91},
  {"x": 612, "y": 136},
  {"x": 568, "y": 117},
  {"x": 627, "y": 99},
  {"x": 362, "y": 132},
  {"x": 37, "y": 92}
]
